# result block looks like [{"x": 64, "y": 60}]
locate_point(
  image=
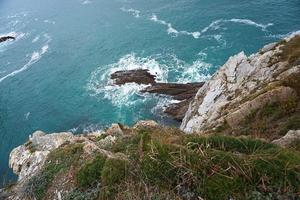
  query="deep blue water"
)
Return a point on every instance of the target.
[{"x": 54, "y": 76}]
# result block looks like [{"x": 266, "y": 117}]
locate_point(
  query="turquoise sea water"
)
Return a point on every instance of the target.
[{"x": 54, "y": 76}]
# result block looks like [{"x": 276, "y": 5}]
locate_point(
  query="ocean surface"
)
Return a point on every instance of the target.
[{"x": 54, "y": 76}]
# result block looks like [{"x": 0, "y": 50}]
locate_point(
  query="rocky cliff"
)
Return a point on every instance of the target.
[
  {"x": 255, "y": 96},
  {"x": 258, "y": 94}
]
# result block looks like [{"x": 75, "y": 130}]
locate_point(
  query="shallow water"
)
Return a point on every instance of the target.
[{"x": 54, "y": 77}]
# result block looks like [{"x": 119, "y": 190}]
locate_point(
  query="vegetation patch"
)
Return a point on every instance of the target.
[
  {"x": 114, "y": 172},
  {"x": 90, "y": 173},
  {"x": 290, "y": 51},
  {"x": 228, "y": 143},
  {"x": 165, "y": 164},
  {"x": 272, "y": 121},
  {"x": 57, "y": 161}
]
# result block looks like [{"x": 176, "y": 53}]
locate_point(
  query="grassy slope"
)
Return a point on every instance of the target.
[{"x": 164, "y": 163}]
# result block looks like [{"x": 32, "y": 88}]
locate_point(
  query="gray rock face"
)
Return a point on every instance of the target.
[
  {"x": 26, "y": 160},
  {"x": 288, "y": 139},
  {"x": 229, "y": 94}
]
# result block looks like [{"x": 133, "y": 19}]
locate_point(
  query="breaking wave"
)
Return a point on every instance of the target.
[
  {"x": 161, "y": 66},
  {"x": 171, "y": 30}
]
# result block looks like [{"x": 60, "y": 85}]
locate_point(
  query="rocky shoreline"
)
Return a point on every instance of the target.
[{"x": 239, "y": 139}]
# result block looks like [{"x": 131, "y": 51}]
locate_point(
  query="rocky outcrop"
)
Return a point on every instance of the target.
[
  {"x": 5, "y": 38},
  {"x": 27, "y": 159},
  {"x": 139, "y": 76},
  {"x": 245, "y": 85},
  {"x": 178, "y": 91},
  {"x": 291, "y": 137},
  {"x": 181, "y": 92},
  {"x": 184, "y": 93}
]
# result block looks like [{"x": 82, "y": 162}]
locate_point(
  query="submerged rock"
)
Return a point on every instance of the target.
[{"x": 5, "y": 38}]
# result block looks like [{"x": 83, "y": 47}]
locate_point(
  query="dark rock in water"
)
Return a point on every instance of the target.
[
  {"x": 177, "y": 110},
  {"x": 178, "y": 91},
  {"x": 3, "y": 39},
  {"x": 139, "y": 76}
]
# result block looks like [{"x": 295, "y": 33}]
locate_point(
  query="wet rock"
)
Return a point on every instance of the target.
[
  {"x": 179, "y": 91},
  {"x": 178, "y": 110},
  {"x": 5, "y": 38},
  {"x": 139, "y": 76},
  {"x": 183, "y": 92}
]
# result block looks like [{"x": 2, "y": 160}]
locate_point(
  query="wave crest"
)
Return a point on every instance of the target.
[
  {"x": 162, "y": 66},
  {"x": 171, "y": 30}
]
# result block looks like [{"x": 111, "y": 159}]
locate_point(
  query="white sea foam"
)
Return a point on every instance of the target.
[
  {"x": 35, "y": 56},
  {"x": 17, "y": 35},
  {"x": 88, "y": 128},
  {"x": 171, "y": 30},
  {"x": 215, "y": 25},
  {"x": 18, "y": 15},
  {"x": 27, "y": 115},
  {"x": 49, "y": 21},
  {"x": 36, "y": 39},
  {"x": 100, "y": 83},
  {"x": 135, "y": 13},
  {"x": 161, "y": 66},
  {"x": 196, "y": 72},
  {"x": 84, "y": 2}
]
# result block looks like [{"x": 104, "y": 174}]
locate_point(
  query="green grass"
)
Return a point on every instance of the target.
[
  {"x": 90, "y": 173},
  {"x": 228, "y": 143},
  {"x": 293, "y": 123},
  {"x": 163, "y": 163}
]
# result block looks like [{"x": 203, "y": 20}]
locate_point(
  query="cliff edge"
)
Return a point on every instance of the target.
[{"x": 255, "y": 95}]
